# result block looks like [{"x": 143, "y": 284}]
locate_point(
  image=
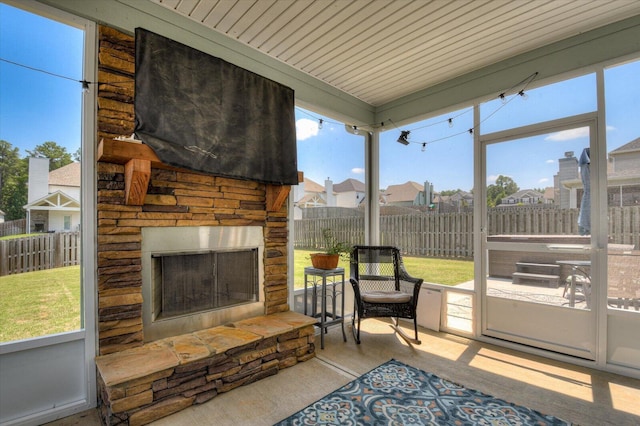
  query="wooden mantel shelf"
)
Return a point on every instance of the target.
[{"x": 138, "y": 160}]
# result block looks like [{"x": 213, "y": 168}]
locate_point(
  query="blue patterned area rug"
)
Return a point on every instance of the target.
[{"x": 398, "y": 394}]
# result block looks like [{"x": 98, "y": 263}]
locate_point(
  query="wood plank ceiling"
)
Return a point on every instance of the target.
[{"x": 381, "y": 50}]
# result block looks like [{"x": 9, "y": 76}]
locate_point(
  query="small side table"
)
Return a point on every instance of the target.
[
  {"x": 318, "y": 277},
  {"x": 578, "y": 267}
]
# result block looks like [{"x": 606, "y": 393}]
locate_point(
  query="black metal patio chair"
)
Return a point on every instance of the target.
[{"x": 383, "y": 288}]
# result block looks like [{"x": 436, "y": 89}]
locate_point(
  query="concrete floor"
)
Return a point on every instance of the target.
[{"x": 576, "y": 394}]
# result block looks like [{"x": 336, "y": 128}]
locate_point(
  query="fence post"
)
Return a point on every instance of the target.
[
  {"x": 4, "y": 259},
  {"x": 59, "y": 251}
]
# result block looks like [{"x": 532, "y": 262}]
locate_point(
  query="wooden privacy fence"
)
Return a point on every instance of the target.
[
  {"x": 39, "y": 252},
  {"x": 13, "y": 227},
  {"x": 451, "y": 234}
]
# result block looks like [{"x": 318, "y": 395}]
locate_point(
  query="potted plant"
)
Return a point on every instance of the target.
[{"x": 333, "y": 250}]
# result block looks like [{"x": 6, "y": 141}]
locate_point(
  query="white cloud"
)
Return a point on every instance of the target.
[
  {"x": 492, "y": 179},
  {"x": 550, "y": 161},
  {"x": 357, "y": 170},
  {"x": 543, "y": 180},
  {"x": 567, "y": 135},
  {"x": 306, "y": 129}
]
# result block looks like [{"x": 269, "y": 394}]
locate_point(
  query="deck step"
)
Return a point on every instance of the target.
[
  {"x": 529, "y": 278},
  {"x": 538, "y": 265}
]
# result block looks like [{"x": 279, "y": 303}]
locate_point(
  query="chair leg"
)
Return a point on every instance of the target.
[
  {"x": 355, "y": 330},
  {"x": 395, "y": 321}
]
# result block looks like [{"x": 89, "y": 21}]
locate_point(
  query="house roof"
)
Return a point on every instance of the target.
[
  {"x": 311, "y": 186},
  {"x": 349, "y": 185},
  {"x": 525, "y": 193},
  {"x": 634, "y": 145},
  {"x": 312, "y": 199},
  {"x": 68, "y": 175},
  {"x": 403, "y": 192},
  {"x": 57, "y": 200},
  {"x": 380, "y": 51}
]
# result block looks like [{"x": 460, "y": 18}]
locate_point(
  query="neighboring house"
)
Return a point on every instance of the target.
[
  {"x": 623, "y": 178},
  {"x": 623, "y": 175},
  {"x": 310, "y": 194},
  {"x": 402, "y": 195},
  {"x": 454, "y": 202},
  {"x": 349, "y": 193},
  {"x": 1, "y": 216},
  {"x": 524, "y": 196},
  {"x": 53, "y": 197}
]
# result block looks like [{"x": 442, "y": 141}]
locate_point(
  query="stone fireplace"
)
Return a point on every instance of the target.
[
  {"x": 221, "y": 319},
  {"x": 174, "y": 201}
]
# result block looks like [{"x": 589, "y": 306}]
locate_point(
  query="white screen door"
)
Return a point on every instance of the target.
[{"x": 537, "y": 289}]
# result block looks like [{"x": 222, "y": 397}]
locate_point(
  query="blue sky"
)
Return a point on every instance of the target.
[{"x": 37, "y": 107}]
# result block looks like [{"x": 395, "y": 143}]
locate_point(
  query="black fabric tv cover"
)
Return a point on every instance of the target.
[{"x": 202, "y": 113}]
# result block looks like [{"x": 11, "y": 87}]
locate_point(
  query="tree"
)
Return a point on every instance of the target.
[
  {"x": 508, "y": 184},
  {"x": 450, "y": 191},
  {"x": 57, "y": 155},
  {"x": 15, "y": 192},
  {"x": 9, "y": 156},
  {"x": 503, "y": 187},
  {"x": 13, "y": 181},
  {"x": 77, "y": 156}
]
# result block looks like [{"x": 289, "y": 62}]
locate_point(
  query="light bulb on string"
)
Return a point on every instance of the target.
[
  {"x": 85, "y": 86},
  {"x": 523, "y": 95},
  {"x": 320, "y": 121},
  {"x": 355, "y": 130},
  {"x": 424, "y": 146},
  {"x": 450, "y": 122},
  {"x": 503, "y": 98}
]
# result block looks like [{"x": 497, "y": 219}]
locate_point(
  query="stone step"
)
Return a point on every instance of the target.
[
  {"x": 528, "y": 278},
  {"x": 537, "y": 265}
]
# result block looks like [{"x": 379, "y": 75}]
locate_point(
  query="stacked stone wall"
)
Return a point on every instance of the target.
[{"x": 174, "y": 198}]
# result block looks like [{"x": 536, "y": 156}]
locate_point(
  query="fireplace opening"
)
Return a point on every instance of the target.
[
  {"x": 186, "y": 283},
  {"x": 198, "y": 277}
]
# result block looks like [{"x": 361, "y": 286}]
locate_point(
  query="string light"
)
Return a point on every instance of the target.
[
  {"x": 404, "y": 134},
  {"x": 424, "y": 146},
  {"x": 403, "y": 139},
  {"x": 503, "y": 98},
  {"x": 84, "y": 83}
]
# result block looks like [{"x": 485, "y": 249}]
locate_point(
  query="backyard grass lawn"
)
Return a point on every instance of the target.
[
  {"x": 440, "y": 271},
  {"x": 39, "y": 303}
]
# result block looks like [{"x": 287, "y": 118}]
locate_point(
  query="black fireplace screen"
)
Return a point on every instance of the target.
[
  {"x": 195, "y": 282},
  {"x": 202, "y": 113}
]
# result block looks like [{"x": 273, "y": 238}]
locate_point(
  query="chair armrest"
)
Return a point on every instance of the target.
[
  {"x": 405, "y": 277},
  {"x": 356, "y": 290}
]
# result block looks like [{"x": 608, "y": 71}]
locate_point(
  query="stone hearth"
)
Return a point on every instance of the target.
[{"x": 140, "y": 385}]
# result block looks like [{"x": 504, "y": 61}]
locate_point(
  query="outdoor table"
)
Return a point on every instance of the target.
[
  {"x": 578, "y": 267},
  {"x": 315, "y": 277}
]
